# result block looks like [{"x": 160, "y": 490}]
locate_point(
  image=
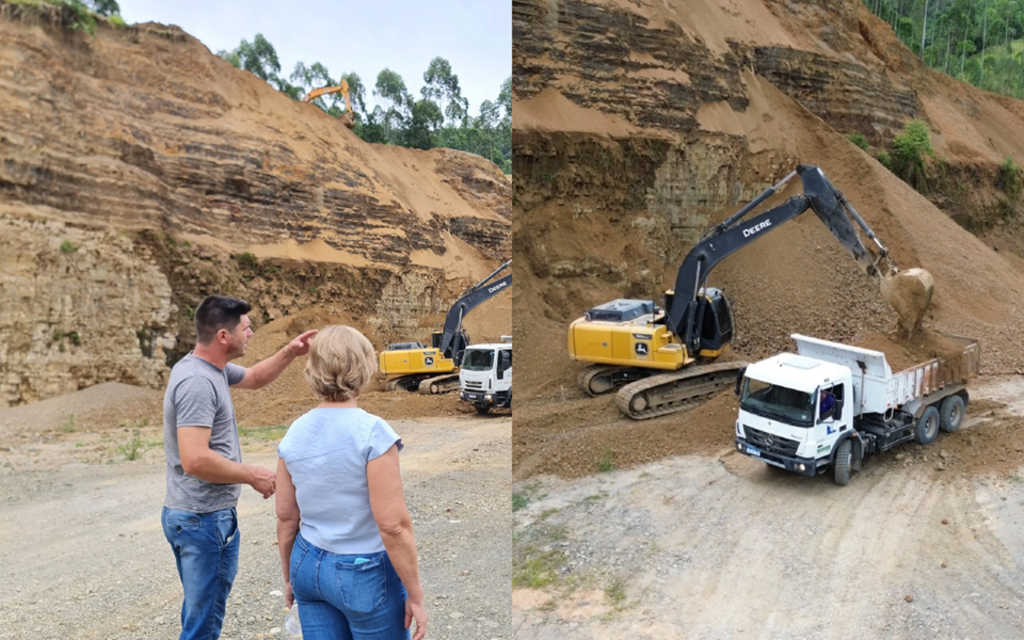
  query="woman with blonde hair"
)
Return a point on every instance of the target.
[{"x": 345, "y": 535}]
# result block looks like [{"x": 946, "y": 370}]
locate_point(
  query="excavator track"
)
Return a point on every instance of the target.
[
  {"x": 439, "y": 384},
  {"x": 600, "y": 379},
  {"x": 405, "y": 383},
  {"x": 666, "y": 393}
]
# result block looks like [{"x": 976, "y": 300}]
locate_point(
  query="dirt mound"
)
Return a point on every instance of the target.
[
  {"x": 99, "y": 407},
  {"x": 586, "y": 436}
]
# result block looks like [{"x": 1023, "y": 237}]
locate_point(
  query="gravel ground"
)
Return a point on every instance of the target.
[
  {"x": 704, "y": 547},
  {"x": 84, "y": 556}
]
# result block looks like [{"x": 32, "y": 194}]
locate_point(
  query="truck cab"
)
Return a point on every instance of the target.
[
  {"x": 793, "y": 412},
  {"x": 485, "y": 379},
  {"x": 830, "y": 404}
]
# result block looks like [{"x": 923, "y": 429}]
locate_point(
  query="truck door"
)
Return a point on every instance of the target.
[{"x": 504, "y": 369}]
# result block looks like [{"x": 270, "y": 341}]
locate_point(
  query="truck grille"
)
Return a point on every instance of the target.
[
  {"x": 770, "y": 442},
  {"x": 474, "y": 385}
]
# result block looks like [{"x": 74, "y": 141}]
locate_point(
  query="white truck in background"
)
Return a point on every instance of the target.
[
  {"x": 485, "y": 378},
  {"x": 873, "y": 409}
]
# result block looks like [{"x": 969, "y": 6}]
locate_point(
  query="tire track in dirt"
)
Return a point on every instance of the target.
[{"x": 712, "y": 548}]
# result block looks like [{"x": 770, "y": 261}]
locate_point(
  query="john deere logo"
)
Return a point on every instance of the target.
[
  {"x": 497, "y": 287},
  {"x": 429, "y": 361},
  {"x": 641, "y": 349}
]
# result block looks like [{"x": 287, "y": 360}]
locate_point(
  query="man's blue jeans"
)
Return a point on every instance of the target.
[
  {"x": 347, "y": 597},
  {"x": 206, "y": 550}
]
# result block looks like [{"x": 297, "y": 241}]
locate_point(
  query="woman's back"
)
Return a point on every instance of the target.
[{"x": 326, "y": 452}]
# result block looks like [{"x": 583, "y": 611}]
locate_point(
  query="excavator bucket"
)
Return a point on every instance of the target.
[{"x": 909, "y": 293}]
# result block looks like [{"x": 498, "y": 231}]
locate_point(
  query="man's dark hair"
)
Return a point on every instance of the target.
[{"x": 218, "y": 312}]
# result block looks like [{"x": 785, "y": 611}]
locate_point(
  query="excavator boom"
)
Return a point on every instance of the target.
[{"x": 341, "y": 87}]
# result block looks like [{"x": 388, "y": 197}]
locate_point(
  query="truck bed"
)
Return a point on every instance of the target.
[{"x": 877, "y": 389}]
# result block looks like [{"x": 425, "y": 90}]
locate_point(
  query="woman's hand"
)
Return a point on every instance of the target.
[
  {"x": 289, "y": 597},
  {"x": 418, "y": 611}
]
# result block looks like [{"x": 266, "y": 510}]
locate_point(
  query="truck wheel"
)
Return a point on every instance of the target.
[
  {"x": 951, "y": 413},
  {"x": 843, "y": 463},
  {"x": 928, "y": 426},
  {"x": 481, "y": 409}
]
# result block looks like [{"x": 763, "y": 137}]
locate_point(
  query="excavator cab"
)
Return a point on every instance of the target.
[{"x": 459, "y": 342}]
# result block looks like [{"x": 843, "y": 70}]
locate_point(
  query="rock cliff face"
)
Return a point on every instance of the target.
[{"x": 156, "y": 162}]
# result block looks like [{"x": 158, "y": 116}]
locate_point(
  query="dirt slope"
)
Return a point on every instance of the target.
[{"x": 642, "y": 125}]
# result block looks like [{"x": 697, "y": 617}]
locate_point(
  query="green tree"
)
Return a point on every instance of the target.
[
  {"x": 426, "y": 118},
  {"x": 259, "y": 57},
  {"x": 443, "y": 86},
  {"x": 106, "y": 7},
  {"x": 391, "y": 88}
]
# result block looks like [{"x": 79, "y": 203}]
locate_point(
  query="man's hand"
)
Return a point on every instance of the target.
[
  {"x": 289, "y": 597},
  {"x": 300, "y": 346},
  {"x": 263, "y": 481}
]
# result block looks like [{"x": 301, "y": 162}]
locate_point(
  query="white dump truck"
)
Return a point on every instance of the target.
[
  {"x": 828, "y": 406},
  {"x": 486, "y": 375}
]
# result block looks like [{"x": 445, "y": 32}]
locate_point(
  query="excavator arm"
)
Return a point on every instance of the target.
[
  {"x": 451, "y": 341},
  {"x": 347, "y": 117},
  {"x": 685, "y": 314}
]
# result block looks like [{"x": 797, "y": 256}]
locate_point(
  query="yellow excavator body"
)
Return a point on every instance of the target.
[{"x": 403, "y": 362}]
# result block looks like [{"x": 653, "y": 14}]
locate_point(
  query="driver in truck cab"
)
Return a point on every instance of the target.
[{"x": 826, "y": 403}]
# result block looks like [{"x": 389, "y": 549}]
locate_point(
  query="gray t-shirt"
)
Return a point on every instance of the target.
[{"x": 198, "y": 396}]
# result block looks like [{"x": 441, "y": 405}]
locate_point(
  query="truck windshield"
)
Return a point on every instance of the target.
[
  {"x": 478, "y": 360},
  {"x": 777, "y": 402}
]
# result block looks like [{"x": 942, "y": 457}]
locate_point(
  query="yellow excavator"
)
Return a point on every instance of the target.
[
  {"x": 413, "y": 366},
  {"x": 347, "y": 117},
  {"x": 656, "y": 358}
]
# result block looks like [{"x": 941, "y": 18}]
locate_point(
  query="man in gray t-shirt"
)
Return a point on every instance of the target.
[{"x": 204, "y": 458}]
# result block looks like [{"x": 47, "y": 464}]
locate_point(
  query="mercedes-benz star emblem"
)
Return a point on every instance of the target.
[{"x": 769, "y": 439}]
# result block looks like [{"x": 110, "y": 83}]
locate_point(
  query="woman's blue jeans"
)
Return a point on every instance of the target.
[
  {"x": 347, "y": 597},
  {"x": 206, "y": 550}
]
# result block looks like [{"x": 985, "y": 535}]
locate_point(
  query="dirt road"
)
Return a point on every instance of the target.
[
  {"x": 83, "y": 554},
  {"x": 705, "y": 547}
]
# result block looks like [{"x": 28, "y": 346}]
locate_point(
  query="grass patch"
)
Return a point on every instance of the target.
[
  {"x": 859, "y": 140},
  {"x": 538, "y": 559},
  {"x": 616, "y": 593},
  {"x": 133, "y": 448},
  {"x": 538, "y": 571},
  {"x": 263, "y": 433},
  {"x": 246, "y": 259},
  {"x": 68, "y": 247},
  {"x": 519, "y": 501},
  {"x": 68, "y": 426},
  {"x": 606, "y": 463},
  {"x": 547, "y": 513},
  {"x": 596, "y": 497}
]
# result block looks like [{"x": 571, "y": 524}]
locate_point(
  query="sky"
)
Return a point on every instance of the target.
[{"x": 364, "y": 36}]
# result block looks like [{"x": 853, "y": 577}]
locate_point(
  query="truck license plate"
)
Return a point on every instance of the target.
[
  {"x": 754, "y": 452},
  {"x": 471, "y": 396}
]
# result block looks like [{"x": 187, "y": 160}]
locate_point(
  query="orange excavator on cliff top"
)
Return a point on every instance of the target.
[{"x": 346, "y": 118}]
